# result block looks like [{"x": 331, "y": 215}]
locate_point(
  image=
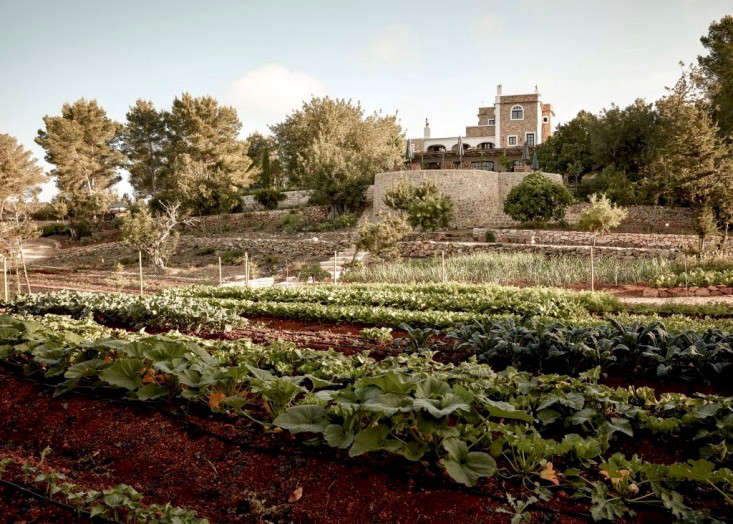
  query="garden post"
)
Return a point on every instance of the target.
[
  {"x": 246, "y": 269},
  {"x": 25, "y": 271},
  {"x": 5, "y": 278},
  {"x": 592, "y": 270},
  {"x": 334, "y": 266},
  {"x": 140, "y": 266},
  {"x": 220, "y": 271},
  {"x": 442, "y": 264}
]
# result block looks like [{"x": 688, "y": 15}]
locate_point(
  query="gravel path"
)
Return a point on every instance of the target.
[{"x": 725, "y": 299}]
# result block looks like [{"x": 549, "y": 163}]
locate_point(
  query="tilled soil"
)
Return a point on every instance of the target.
[{"x": 243, "y": 475}]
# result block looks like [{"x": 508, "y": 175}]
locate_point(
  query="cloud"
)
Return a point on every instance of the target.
[
  {"x": 394, "y": 44},
  {"x": 264, "y": 96}
]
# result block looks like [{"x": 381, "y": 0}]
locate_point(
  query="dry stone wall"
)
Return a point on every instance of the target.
[
  {"x": 254, "y": 219},
  {"x": 646, "y": 219},
  {"x": 292, "y": 199},
  {"x": 478, "y": 196}
]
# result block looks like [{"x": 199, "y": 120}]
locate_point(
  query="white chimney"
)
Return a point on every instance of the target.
[
  {"x": 498, "y": 90},
  {"x": 426, "y": 131}
]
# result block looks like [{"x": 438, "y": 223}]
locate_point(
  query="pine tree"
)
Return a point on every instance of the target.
[
  {"x": 207, "y": 162},
  {"x": 20, "y": 175},
  {"x": 717, "y": 73},
  {"x": 144, "y": 142},
  {"x": 82, "y": 145}
]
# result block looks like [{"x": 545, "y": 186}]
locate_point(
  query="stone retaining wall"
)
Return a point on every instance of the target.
[
  {"x": 478, "y": 196},
  {"x": 422, "y": 249},
  {"x": 582, "y": 238},
  {"x": 646, "y": 219},
  {"x": 254, "y": 219}
]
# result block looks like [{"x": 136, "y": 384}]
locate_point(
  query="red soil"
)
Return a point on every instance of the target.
[{"x": 247, "y": 476}]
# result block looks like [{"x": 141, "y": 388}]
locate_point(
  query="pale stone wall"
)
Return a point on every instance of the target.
[
  {"x": 646, "y": 219},
  {"x": 478, "y": 196}
]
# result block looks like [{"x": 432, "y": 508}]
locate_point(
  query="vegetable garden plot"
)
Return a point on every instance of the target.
[{"x": 466, "y": 422}]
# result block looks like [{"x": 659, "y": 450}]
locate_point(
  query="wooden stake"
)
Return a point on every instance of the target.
[
  {"x": 334, "y": 266},
  {"x": 442, "y": 264},
  {"x": 220, "y": 279},
  {"x": 5, "y": 279},
  {"x": 17, "y": 276},
  {"x": 25, "y": 271},
  {"x": 246, "y": 269},
  {"x": 592, "y": 271},
  {"x": 140, "y": 265}
]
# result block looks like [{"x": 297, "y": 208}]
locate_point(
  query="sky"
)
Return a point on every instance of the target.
[{"x": 429, "y": 59}]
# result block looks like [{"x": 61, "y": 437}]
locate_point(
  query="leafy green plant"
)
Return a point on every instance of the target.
[
  {"x": 381, "y": 239},
  {"x": 425, "y": 207},
  {"x": 269, "y": 198},
  {"x": 537, "y": 199},
  {"x": 380, "y": 335}
]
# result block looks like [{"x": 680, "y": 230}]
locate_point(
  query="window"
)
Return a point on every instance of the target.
[
  {"x": 492, "y": 122},
  {"x": 545, "y": 119},
  {"x": 485, "y": 145},
  {"x": 530, "y": 139},
  {"x": 436, "y": 148},
  {"x": 511, "y": 140},
  {"x": 432, "y": 165},
  {"x": 486, "y": 165},
  {"x": 517, "y": 165},
  {"x": 517, "y": 113}
]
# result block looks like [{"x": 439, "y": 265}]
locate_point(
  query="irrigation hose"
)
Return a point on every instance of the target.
[
  {"x": 67, "y": 507},
  {"x": 195, "y": 430}
]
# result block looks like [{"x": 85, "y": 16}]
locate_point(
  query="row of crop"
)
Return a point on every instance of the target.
[
  {"x": 637, "y": 350},
  {"x": 468, "y": 420},
  {"x": 468, "y": 298},
  {"x": 191, "y": 314},
  {"x": 120, "y": 503},
  {"x": 481, "y": 299},
  {"x": 695, "y": 277},
  {"x": 154, "y": 312}
]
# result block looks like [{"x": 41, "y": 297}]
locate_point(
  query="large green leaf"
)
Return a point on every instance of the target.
[
  {"x": 124, "y": 373},
  {"x": 300, "y": 419},
  {"x": 370, "y": 439},
  {"x": 464, "y": 466}
]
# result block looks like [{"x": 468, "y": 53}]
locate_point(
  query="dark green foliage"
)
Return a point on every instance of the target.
[
  {"x": 55, "y": 229},
  {"x": 717, "y": 68},
  {"x": 425, "y": 207},
  {"x": 490, "y": 236},
  {"x": 269, "y": 198},
  {"x": 537, "y": 199},
  {"x": 644, "y": 350},
  {"x": 314, "y": 271},
  {"x": 614, "y": 184}
]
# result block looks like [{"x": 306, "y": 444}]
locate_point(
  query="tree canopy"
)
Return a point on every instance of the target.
[
  {"x": 83, "y": 145},
  {"x": 717, "y": 69},
  {"x": 20, "y": 174}
]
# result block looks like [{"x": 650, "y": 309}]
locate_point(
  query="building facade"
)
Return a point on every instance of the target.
[{"x": 503, "y": 140}]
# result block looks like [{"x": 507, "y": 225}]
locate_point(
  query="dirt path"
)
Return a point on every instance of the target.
[{"x": 40, "y": 249}]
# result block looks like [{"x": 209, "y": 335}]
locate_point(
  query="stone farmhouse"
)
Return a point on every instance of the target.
[{"x": 512, "y": 127}]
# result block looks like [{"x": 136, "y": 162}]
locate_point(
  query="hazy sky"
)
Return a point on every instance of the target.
[{"x": 439, "y": 60}]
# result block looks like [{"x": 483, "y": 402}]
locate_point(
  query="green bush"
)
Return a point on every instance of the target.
[
  {"x": 269, "y": 198},
  {"x": 537, "y": 199},
  {"x": 426, "y": 208},
  {"x": 291, "y": 223},
  {"x": 490, "y": 236},
  {"x": 313, "y": 271},
  {"x": 55, "y": 229},
  {"x": 81, "y": 229},
  {"x": 381, "y": 239}
]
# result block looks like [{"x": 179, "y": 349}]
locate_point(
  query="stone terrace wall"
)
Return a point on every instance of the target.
[
  {"x": 582, "y": 238},
  {"x": 647, "y": 219},
  {"x": 478, "y": 196},
  {"x": 423, "y": 249},
  {"x": 254, "y": 219}
]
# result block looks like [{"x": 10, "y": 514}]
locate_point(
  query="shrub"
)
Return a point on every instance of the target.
[
  {"x": 601, "y": 216},
  {"x": 80, "y": 229},
  {"x": 490, "y": 236},
  {"x": 611, "y": 182},
  {"x": 154, "y": 236},
  {"x": 381, "y": 239},
  {"x": 313, "y": 271},
  {"x": 426, "y": 208},
  {"x": 537, "y": 199},
  {"x": 55, "y": 229},
  {"x": 291, "y": 223},
  {"x": 269, "y": 198}
]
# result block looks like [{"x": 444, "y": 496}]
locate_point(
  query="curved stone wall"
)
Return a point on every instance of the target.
[{"x": 478, "y": 196}]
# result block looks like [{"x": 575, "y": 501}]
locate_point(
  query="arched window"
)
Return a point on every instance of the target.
[
  {"x": 436, "y": 148},
  {"x": 517, "y": 113}
]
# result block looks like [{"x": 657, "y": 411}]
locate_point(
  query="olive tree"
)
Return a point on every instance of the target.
[{"x": 600, "y": 217}]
